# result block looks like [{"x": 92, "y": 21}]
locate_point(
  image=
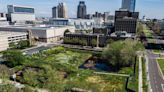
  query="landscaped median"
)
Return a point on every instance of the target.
[
  {"x": 158, "y": 52},
  {"x": 161, "y": 64},
  {"x": 147, "y": 32}
]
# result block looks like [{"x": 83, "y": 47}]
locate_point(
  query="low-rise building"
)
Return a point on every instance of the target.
[
  {"x": 3, "y": 19},
  {"x": 43, "y": 33},
  {"x": 80, "y": 24},
  {"x": 85, "y": 39},
  {"x": 96, "y": 39},
  {"x": 7, "y": 37}
]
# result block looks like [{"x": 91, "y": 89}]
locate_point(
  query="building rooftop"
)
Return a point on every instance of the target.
[
  {"x": 11, "y": 33},
  {"x": 37, "y": 27},
  {"x": 89, "y": 34}
]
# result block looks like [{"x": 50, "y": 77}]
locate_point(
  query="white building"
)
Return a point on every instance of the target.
[
  {"x": 3, "y": 19},
  {"x": 79, "y": 24},
  {"x": 6, "y": 37},
  {"x": 42, "y": 33},
  {"x": 82, "y": 24},
  {"x": 20, "y": 14}
]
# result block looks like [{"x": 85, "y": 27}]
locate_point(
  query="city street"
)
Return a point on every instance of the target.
[{"x": 156, "y": 80}]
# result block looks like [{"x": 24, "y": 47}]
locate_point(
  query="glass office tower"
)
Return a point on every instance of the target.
[{"x": 129, "y": 5}]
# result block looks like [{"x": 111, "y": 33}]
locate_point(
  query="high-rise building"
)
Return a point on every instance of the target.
[
  {"x": 82, "y": 10},
  {"x": 126, "y": 21},
  {"x": 106, "y": 15},
  {"x": 54, "y": 12},
  {"x": 62, "y": 10},
  {"x": 129, "y": 5},
  {"x": 20, "y": 13}
]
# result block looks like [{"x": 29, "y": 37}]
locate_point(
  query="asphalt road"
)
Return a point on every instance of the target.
[{"x": 156, "y": 80}]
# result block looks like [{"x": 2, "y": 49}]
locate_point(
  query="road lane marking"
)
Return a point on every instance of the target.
[{"x": 162, "y": 85}]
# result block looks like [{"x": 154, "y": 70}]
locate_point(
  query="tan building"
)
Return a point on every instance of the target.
[
  {"x": 46, "y": 34},
  {"x": 6, "y": 37},
  {"x": 62, "y": 10}
]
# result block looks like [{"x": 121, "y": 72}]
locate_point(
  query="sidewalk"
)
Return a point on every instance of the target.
[
  {"x": 140, "y": 85},
  {"x": 114, "y": 74}
]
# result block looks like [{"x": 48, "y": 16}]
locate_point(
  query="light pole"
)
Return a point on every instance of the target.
[{"x": 98, "y": 41}]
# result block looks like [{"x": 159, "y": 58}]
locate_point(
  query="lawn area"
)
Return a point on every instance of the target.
[
  {"x": 158, "y": 52},
  {"x": 147, "y": 32},
  {"x": 133, "y": 80},
  {"x": 145, "y": 87},
  {"x": 161, "y": 64}
]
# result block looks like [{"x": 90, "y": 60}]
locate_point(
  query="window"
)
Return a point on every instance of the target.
[{"x": 23, "y": 10}]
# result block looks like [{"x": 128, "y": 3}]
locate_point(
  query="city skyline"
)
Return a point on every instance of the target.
[{"x": 44, "y": 8}]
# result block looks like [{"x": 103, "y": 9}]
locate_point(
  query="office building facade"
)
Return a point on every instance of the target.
[
  {"x": 54, "y": 12},
  {"x": 126, "y": 21},
  {"x": 129, "y": 5},
  {"x": 20, "y": 13},
  {"x": 62, "y": 10},
  {"x": 81, "y": 10}
]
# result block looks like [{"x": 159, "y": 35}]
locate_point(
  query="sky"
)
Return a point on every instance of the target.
[{"x": 43, "y": 8}]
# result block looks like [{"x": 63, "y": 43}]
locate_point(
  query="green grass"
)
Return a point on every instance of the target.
[
  {"x": 133, "y": 80},
  {"x": 161, "y": 64},
  {"x": 147, "y": 32},
  {"x": 158, "y": 52},
  {"x": 53, "y": 62},
  {"x": 145, "y": 87}
]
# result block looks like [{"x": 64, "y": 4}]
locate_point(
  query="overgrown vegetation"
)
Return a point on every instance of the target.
[
  {"x": 57, "y": 69},
  {"x": 20, "y": 45},
  {"x": 122, "y": 53}
]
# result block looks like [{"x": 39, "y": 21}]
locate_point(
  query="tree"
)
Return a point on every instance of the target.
[
  {"x": 5, "y": 72},
  {"x": 94, "y": 42},
  {"x": 140, "y": 29},
  {"x": 83, "y": 42},
  {"x": 156, "y": 28},
  {"x": 13, "y": 57},
  {"x": 12, "y": 45},
  {"x": 23, "y": 44},
  {"x": 8, "y": 88},
  {"x": 109, "y": 41},
  {"x": 54, "y": 82},
  {"x": 112, "y": 54},
  {"x": 121, "y": 53}
]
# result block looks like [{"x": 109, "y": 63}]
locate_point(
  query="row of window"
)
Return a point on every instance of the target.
[{"x": 24, "y": 10}]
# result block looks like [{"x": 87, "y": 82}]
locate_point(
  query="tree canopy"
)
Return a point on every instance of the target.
[
  {"x": 121, "y": 53},
  {"x": 13, "y": 57}
]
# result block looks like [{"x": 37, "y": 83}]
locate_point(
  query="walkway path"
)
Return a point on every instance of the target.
[
  {"x": 140, "y": 85},
  {"x": 115, "y": 74}
]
